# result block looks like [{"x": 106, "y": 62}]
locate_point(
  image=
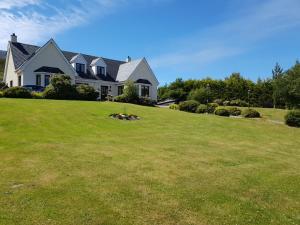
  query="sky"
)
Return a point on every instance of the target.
[{"x": 191, "y": 39}]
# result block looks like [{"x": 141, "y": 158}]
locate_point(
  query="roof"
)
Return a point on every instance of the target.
[
  {"x": 22, "y": 52},
  {"x": 49, "y": 70},
  {"x": 2, "y": 54},
  {"x": 126, "y": 69}
]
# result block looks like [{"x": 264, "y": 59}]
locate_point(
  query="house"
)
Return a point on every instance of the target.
[{"x": 33, "y": 65}]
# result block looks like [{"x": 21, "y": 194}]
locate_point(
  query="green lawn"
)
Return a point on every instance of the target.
[{"x": 67, "y": 162}]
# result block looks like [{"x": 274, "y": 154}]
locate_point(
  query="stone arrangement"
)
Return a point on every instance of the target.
[{"x": 124, "y": 116}]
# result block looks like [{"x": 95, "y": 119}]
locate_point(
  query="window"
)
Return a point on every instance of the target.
[
  {"x": 100, "y": 70},
  {"x": 11, "y": 83},
  {"x": 47, "y": 80},
  {"x": 120, "y": 90},
  {"x": 38, "y": 80},
  {"x": 80, "y": 68},
  {"x": 145, "y": 91},
  {"x": 19, "y": 81}
]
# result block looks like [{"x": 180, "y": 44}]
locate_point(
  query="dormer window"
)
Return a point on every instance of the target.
[
  {"x": 80, "y": 68},
  {"x": 100, "y": 70}
]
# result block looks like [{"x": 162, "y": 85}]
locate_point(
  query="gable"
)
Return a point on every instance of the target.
[
  {"x": 144, "y": 72},
  {"x": 126, "y": 70},
  {"x": 50, "y": 56},
  {"x": 78, "y": 59}
]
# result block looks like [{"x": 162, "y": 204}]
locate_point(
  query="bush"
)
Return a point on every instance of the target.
[
  {"x": 1, "y": 94},
  {"x": 226, "y": 103},
  {"x": 189, "y": 106},
  {"x": 36, "y": 95},
  {"x": 174, "y": 107},
  {"x": 238, "y": 102},
  {"x": 120, "y": 98},
  {"x": 201, "y": 109},
  {"x": 200, "y": 95},
  {"x": 250, "y": 113},
  {"x": 60, "y": 88},
  {"x": 292, "y": 118},
  {"x": 218, "y": 101},
  {"x": 234, "y": 111},
  {"x": 86, "y": 92},
  {"x": 146, "y": 101},
  {"x": 131, "y": 93},
  {"x": 222, "y": 112},
  {"x": 17, "y": 92},
  {"x": 3, "y": 86},
  {"x": 211, "y": 107}
]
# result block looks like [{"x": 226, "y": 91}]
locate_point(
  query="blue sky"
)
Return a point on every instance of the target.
[{"x": 188, "y": 39}]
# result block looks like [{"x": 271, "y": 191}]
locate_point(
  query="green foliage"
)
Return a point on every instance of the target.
[
  {"x": 174, "y": 106},
  {"x": 220, "y": 111},
  {"x": 201, "y": 109},
  {"x": 60, "y": 88},
  {"x": 130, "y": 94},
  {"x": 2, "y": 65},
  {"x": 211, "y": 107},
  {"x": 189, "y": 106},
  {"x": 250, "y": 113},
  {"x": 201, "y": 95},
  {"x": 238, "y": 102},
  {"x": 16, "y": 92},
  {"x": 1, "y": 94},
  {"x": 292, "y": 118},
  {"x": 146, "y": 101},
  {"x": 37, "y": 95},
  {"x": 3, "y": 85},
  {"x": 86, "y": 92},
  {"x": 218, "y": 101},
  {"x": 234, "y": 111}
]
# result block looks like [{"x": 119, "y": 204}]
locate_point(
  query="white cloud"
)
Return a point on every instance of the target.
[
  {"x": 36, "y": 21},
  {"x": 8, "y": 4},
  {"x": 251, "y": 24}
]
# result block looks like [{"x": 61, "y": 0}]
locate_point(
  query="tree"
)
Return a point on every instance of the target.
[
  {"x": 277, "y": 71},
  {"x": 201, "y": 95},
  {"x": 60, "y": 88},
  {"x": 131, "y": 92}
]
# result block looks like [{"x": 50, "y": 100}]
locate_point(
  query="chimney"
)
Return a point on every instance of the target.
[
  {"x": 14, "y": 38},
  {"x": 128, "y": 59}
]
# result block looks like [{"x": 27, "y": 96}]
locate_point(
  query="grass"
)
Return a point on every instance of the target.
[{"x": 67, "y": 162}]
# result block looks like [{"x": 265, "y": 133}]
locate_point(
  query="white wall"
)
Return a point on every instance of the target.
[
  {"x": 48, "y": 56},
  {"x": 143, "y": 71},
  {"x": 10, "y": 73}
]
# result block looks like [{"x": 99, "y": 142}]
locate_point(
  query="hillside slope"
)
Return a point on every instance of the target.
[
  {"x": 67, "y": 162},
  {"x": 2, "y": 65}
]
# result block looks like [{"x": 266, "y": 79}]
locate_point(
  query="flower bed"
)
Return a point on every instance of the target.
[{"x": 124, "y": 116}]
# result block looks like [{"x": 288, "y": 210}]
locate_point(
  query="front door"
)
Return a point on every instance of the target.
[{"x": 104, "y": 92}]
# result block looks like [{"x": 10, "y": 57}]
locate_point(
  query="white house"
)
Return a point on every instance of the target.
[{"x": 33, "y": 65}]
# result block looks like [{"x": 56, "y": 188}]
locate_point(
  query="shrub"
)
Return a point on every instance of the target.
[
  {"x": 211, "y": 107},
  {"x": 200, "y": 95},
  {"x": 238, "y": 102},
  {"x": 234, "y": 111},
  {"x": 174, "y": 107},
  {"x": 36, "y": 95},
  {"x": 86, "y": 92},
  {"x": 188, "y": 106},
  {"x": 292, "y": 118},
  {"x": 226, "y": 103},
  {"x": 250, "y": 113},
  {"x": 201, "y": 109},
  {"x": 131, "y": 93},
  {"x": 218, "y": 101},
  {"x": 17, "y": 92},
  {"x": 120, "y": 98},
  {"x": 60, "y": 88},
  {"x": 1, "y": 94},
  {"x": 222, "y": 112},
  {"x": 146, "y": 101},
  {"x": 3, "y": 85}
]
